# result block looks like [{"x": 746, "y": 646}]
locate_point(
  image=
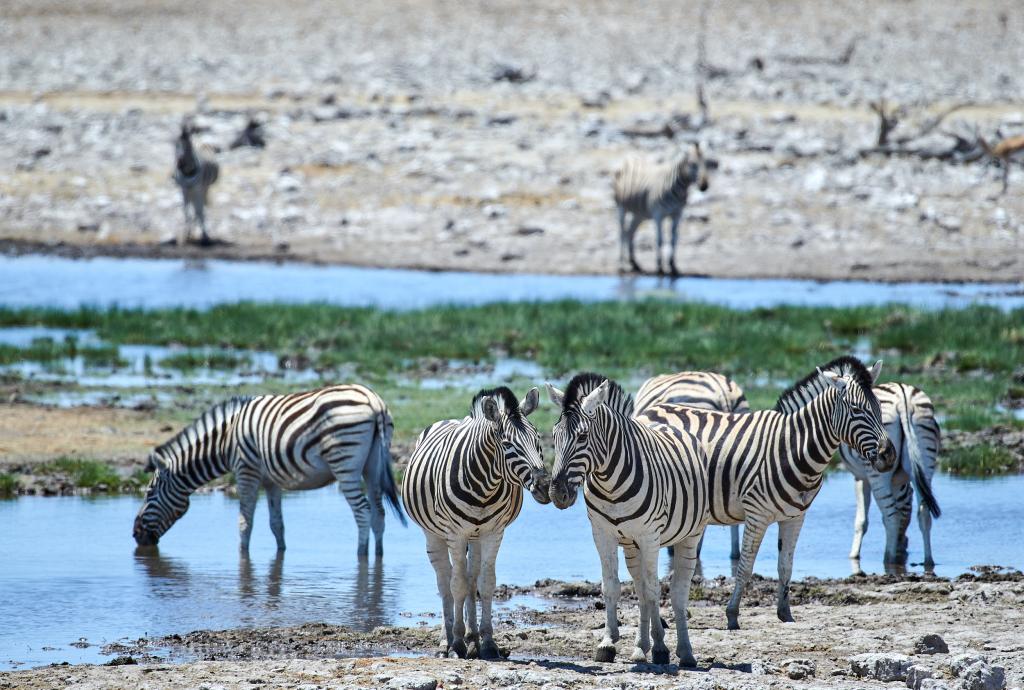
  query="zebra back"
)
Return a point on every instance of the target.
[{"x": 700, "y": 389}]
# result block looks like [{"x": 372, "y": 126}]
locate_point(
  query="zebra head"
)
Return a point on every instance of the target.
[
  {"x": 857, "y": 416},
  {"x": 166, "y": 501},
  {"x": 694, "y": 168},
  {"x": 522, "y": 460},
  {"x": 577, "y": 450}
]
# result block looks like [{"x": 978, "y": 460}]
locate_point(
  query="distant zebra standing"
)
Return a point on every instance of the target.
[
  {"x": 195, "y": 175},
  {"x": 644, "y": 191},
  {"x": 645, "y": 487},
  {"x": 909, "y": 418},
  {"x": 765, "y": 466},
  {"x": 703, "y": 390},
  {"x": 297, "y": 441},
  {"x": 464, "y": 486}
]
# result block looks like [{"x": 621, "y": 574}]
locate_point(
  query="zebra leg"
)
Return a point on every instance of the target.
[
  {"x": 734, "y": 533},
  {"x": 684, "y": 562},
  {"x": 924, "y": 521},
  {"x": 611, "y": 588},
  {"x": 657, "y": 228},
  {"x": 753, "y": 533},
  {"x": 652, "y": 594},
  {"x": 200, "y": 204},
  {"x": 458, "y": 549},
  {"x": 623, "y": 237},
  {"x": 352, "y": 488},
  {"x": 473, "y": 575},
  {"x": 248, "y": 491},
  {"x": 634, "y": 225},
  {"x": 674, "y": 233},
  {"x": 789, "y": 531},
  {"x": 188, "y": 221},
  {"x": 375, "y": 499},
  {"x": 488, "y": 546},
  {"x": 437, "y": 552},
  {"x": 860, "y": 523},
  {"x": 276, "y": 518},
  {"x": 635, "y": 565}
]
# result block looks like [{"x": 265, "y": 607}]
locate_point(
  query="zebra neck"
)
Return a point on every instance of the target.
[
  {"x": 203, "y": 461},
  {"x": 480, "y": 464},
  {"x": 608, "y": 432},
  {"x": 811, "y": 432}
]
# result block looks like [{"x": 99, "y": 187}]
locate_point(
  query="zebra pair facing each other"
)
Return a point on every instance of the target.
[
  {"x": 298, "y": 441},
  {"x": 645, "y": 191}
]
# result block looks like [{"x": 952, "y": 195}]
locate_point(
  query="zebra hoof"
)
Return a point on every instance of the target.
[
  {"x": 460, "y": 649},
  {"x": 734, "y": 621},
  {"x": 785, "y": 616},
  {"x": 489, "y": 651},
  {"x": 659, "y": 656},
  {"x": 604, "y": 655},
  {"x": 638, "y": 656},
  {"x": 687, "y": 661}
]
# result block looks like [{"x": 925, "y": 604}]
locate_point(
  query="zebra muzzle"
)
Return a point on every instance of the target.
[{"x": 540, "y": 486}]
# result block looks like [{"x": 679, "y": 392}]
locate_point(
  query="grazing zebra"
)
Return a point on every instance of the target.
[
  {"x": 766, "y": 467},
  {"x": 909, "y": 418},
  {"x": 645, "y": 487},
  {"x": 195, "y": 175},
  {"x": 297, "y": 441},
  {"x": 703, "y": 390},
  {"x": 644, "y": 191},
  {"x": 464, "y": 486}
]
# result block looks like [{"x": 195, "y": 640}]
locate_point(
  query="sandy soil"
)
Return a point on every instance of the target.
[
  {"x": 395, "y": 137},
  {"x": 979, "y": 614}
]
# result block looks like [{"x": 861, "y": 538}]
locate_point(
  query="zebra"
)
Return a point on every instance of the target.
[
  {"x": 643, "y": 191},
  {"x": 463, "y": 487},
  {"x": 909, "y": 418},
  {"x": 766, "y": 467},
  {"x": 703, "y": 390},
  {"x": 645, "y": 487},
  {"x": 296, "y": 441},
  {"x": 194, "y": 175}
]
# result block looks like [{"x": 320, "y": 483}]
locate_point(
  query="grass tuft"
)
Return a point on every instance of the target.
[{"x": 979, "y": 461}]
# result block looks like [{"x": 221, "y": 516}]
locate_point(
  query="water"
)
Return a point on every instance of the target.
[
  {"x": 55, "y": 591},
  {"x": 53, "y": 281}
]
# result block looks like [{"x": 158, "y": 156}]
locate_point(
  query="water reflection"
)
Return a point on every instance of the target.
[{"x": 248, "y": 584}]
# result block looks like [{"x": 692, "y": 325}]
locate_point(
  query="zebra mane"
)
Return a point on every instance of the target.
[
  {"x": 509, "y": 402},
  {"x": 200, "y": 427},
  {"x": 583, "y": 384},
  {"x": 807, "y": 388}
]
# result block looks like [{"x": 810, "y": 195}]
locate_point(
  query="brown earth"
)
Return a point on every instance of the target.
[{"x": 484, "y": 136}]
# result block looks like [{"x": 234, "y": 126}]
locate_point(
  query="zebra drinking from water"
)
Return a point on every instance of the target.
[
  {"x": 297, "y": 441},
  {"x": 195, "y": 175},
  {"x": 464, "y": 486},
  {"x": 703, "y": 390},
  {"x": 909, "y": 419},
  {"x": 766, "y": 467},
  {"x": 643, "y": 190},
  {"x": 645, "y": 487}
]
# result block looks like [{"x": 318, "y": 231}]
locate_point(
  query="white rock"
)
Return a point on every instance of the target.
[
  {"x": 916, "y": 675},
  {"x": 883, "y": 667},
  {"x": 975, "y": 673},
  {"x": 413, "y": 681}
]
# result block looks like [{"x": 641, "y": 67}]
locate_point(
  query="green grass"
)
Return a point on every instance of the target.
[
  {"x": 980, "y": 460},
  {"x": 84, "y": 473},
  {"x": 49, "y": 350},
  {"x": 8, "y": 485}
]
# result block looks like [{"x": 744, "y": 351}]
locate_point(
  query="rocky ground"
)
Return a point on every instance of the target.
[
  {"x": 923, "y": 633},
  {"x": 484, "y": 136}
]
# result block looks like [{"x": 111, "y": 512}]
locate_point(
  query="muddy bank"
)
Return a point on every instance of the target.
[
  {"x": 979, "y": 614},
  {"x": 485, "y": 139}
]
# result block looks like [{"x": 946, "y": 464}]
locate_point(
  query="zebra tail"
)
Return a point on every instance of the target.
[
  {"x": 921, "y": 482},
  {"x": 387, "y": 477}
]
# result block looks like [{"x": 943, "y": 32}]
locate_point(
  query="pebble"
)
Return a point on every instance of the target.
[{"x": 931, "y": 644}]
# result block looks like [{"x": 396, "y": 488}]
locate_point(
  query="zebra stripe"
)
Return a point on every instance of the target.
[
  {"x": 463, "y": 487},
  {"x": 766, "y": 467},
  {"x": 643, "y": 190},
  {"x": 194, "y": 175},
  {"x": 645, "y": 487},
  {"x": 298, "y": 441},
  {"x": 909, "y": 418},
  {"x": 703, "y": 390}
]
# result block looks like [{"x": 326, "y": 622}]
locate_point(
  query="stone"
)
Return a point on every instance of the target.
[
  {"x": 883, "y": 667},
  {"x": 762, "y": 667},
  {"x": 933, "y": 684},
  {"x": 798, "y": 669},
  {"x": 504, "y": 676},
  {"x": 917, "y": 674},
  {"x": 975, "y": 673},
  {"x": 931, "y": 644},
  {"x": 413, "y": 681}
]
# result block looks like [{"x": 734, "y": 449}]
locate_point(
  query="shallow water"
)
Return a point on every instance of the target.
[
  {"x": 55, "y": 591},
  {"x": 45, "y": 280}
]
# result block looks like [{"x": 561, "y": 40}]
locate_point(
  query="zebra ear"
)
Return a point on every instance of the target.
[
  {"x": 556, "y": 396},
  {"x": 491, "y": 412},
  {"x": 875, "y": 371},
  {"x": 595, "y": 398},
  {"x": 833, "y": 379},
  {"x": 530, "y": 402}
]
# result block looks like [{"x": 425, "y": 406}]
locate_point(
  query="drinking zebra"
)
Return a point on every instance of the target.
[
  {"x": 644, "y": 190},
  {"x": 909, "y": 418},
  {"x": 297, "y": 441},
  {"x": 645, "y": 487},
  {"x": 766, "y": 466},
  {"x": 195, "y": 175},
  {"x": 703, "y": 390},
  {"x": 464, "y": 486}
]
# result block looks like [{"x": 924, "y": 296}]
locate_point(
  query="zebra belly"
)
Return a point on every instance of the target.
[{"x": 316, "y": 477}]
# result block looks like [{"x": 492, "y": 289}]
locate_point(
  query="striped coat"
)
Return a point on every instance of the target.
[
  {"x": 297, "y": 441},
  {"x": 194, "y": 175}
]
